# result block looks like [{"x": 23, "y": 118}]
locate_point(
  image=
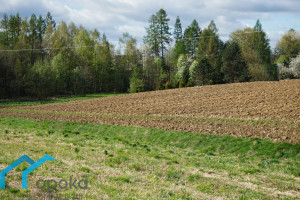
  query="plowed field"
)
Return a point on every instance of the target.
[{"x": 267, "y": 110}]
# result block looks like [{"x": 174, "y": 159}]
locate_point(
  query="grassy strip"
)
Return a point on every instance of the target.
[
  {"x": 227, "y": 121},
  {"x": 144, "y": 163},
  {"x": 27, "y": 102}
]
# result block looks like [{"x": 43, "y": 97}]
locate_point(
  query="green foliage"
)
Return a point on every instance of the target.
[
  {"x": 288, "y": 46},
  {"x": 78, "y": 78},
  {"x": 261, "y": 42},
  {"x": 182, "y": 69},
  {"x": 65, "y": 59},
  {"x": 76, "y": 150},
  {"x": 201, "y": 72},
  {"x": 136, "y": 84},
  {"x": 177, "y": 30},
  {"x": 168, "y": 85},
  {"x": 61, "y": 73},
  {"x": 179, "y": 49},
  {"x": 14, "y": 190},
  {"x": 256, "y": 52},
  {"x": 191, "y": 38},
  {"x": 39, "y": 80},
  {"x": 209, "y": 43},
  {"x": 86, "y": 169},
  {"x": 158, "y": 34},
  {"x": 283, "y": 59},
  {"x": 192, "y": 69},
  {"x": 181, "y": 84},
  {"x": 234, "y": 67}
]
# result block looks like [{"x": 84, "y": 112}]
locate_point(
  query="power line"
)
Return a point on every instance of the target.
[
  {"x": 98, "y": 45},
  {"x": 209, "y": 36}
]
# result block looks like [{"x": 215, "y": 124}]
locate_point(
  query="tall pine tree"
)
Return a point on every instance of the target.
[
  {"x": 234, "y": 67},
  {"x": 191, "y": 38},
  {"x": 177, "y": 30},
  {"x": 179, "y": 42},
  {"x": 158, "y": 34}
]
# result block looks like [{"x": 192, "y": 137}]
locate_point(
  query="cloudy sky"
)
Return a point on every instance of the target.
[{"x": 117, "y": 16}]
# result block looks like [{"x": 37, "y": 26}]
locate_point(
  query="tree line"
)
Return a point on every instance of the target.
[{"x": 39, "y": 58}]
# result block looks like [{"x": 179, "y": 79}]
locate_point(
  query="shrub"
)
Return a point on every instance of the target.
[
  {"x": 181, "y": 85},
  {"x": 168, "y": 85},
  {"x": 285, "y": 72},
  {"x": 136, "y": 84},
  {"x": 295, "y": 66},
  {"x": 183, "y": 70},
  {"x": 292, "y": 71}
]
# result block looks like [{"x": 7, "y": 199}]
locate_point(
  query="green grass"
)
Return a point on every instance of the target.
[
  {"x": 25, "y": 102},
  {"x": 142, "y": 163},
  {"x": 225, "y": 121}
]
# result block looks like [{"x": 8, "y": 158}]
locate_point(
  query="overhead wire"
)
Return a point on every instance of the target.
[{"x": 93, "y": 46}]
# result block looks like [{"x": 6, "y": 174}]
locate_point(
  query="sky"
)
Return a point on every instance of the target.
[{"x": 114, "y": 17}]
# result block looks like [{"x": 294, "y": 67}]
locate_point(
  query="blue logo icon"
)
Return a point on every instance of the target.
[{"x": 33, "y": 166}]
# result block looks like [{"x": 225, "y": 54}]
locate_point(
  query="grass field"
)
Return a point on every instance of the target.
[
  {"x": 150, "y": 162},
  {"x": 143, "y": 163},
  {"x": 28, "y": 102}
]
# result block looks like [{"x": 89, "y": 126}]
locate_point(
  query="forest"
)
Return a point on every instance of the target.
[{"x": 41, "y": 58}]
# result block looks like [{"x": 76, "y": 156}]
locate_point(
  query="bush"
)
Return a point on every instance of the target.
[
  {"x": 295, "y": 66},
  {"x": 181, "y": 85},
  {"x": 168, "y": 85},
  {"x": 136, "y": 84},
  {"x": 285, "y": 72},
  {"x": 40, "y": 80},
  {"x": 183, "y": 70},
  {"x": 292, "y": 71}
]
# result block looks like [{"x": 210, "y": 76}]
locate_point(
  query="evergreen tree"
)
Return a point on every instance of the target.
[
  {"x": 158, "y": 36},
  {"x": 179, "y": 42},
  {"x": 33, "y": 36},
  {"x": 14, "y": 24},
  {"x": 234, "y": 67},
  {"x": 41, "y": 29},
  {"x": 179, "y": 49},
  {"x": 151, "y": 71},
  {"x": 164, "y": 31},
  {"x": 177, "y": 30},
  {"x": 261, "y": 42},
  {"x": 5, "y": 30},
  {"x": 210, "y": 47},
  {"x": 151, "y": 38},
  {"x": 263, "y": 50},
  {"x": 158, "y": 33},
  {"x": 49, "y": 20},
  {"x": 209, "y": 43},
  {"x": 201, "y": 72},
  {"x": 191, "y": 38}
]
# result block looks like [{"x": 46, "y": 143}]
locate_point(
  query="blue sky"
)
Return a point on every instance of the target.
[{"x": 114, "y": 17}]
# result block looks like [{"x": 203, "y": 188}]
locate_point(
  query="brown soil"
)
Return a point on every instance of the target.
[{"x": 268, "y": 110}]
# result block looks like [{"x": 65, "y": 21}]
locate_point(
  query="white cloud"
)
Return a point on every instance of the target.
[{"x": 117, "y": 16}]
